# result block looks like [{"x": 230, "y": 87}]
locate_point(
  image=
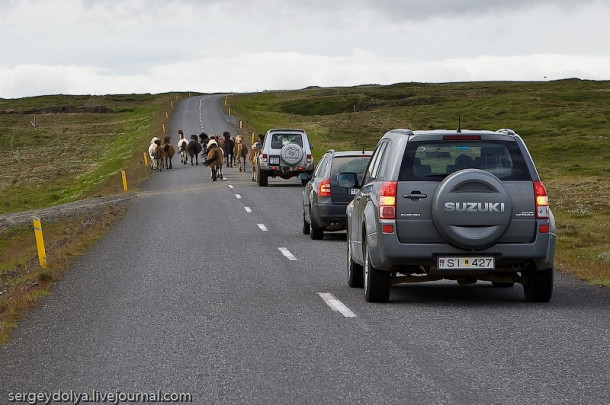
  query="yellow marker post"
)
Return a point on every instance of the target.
[
  {"x": 229, "y": 111},
  {"x": 252, "y": 138},
  {"x": 226, "y": 100},
  {"x": 145, "y": 158},
  {"x": 42, "y": 255},
  {"x": 166, "y": 114},
  {"x": 240, "y": 124},
  {"x": 171, "y": 103},
  {"x": 124, "y": 180},
  {"x": 163, "y": 125}
]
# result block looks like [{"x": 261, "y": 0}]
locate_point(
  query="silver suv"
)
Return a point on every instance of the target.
[
  {"x": 286, "y": 153},
  {"x": 459, "y": 205}
]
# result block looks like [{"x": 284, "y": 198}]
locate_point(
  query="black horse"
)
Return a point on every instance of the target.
[
  {"x": 228, "y": 149},
  {"x": 194, "y": 149}
]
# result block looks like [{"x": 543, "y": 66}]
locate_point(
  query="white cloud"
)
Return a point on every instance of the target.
[
  {"x": 249, "y": 72},
  {"x": 124, "y": 46}
]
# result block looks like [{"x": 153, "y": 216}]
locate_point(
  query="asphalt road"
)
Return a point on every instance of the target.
[{"x": 210, "y": 288}]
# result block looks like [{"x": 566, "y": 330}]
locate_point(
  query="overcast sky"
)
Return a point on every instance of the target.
[{"x": 155, "y": 46}]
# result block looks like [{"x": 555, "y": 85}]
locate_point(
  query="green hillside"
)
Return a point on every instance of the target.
[{"x": 56, "y": 149}]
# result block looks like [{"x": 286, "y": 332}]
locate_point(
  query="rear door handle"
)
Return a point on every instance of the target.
[{"x": 415, "y": 195}]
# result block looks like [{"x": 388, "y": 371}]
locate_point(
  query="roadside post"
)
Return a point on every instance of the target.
[
  {"x": 42, "y": 255},
  {"x": 145, "y": 159},
  {"x": 124, "y": 179}
]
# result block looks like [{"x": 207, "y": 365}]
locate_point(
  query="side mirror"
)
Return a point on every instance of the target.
[
  {"x": 310, "y": 146},
  {"x": 347, "y": 180}
]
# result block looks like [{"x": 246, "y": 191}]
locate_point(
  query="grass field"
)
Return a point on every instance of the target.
[
  {"x": 564, "y": 123},
  {"x": 57, "y": 149}
]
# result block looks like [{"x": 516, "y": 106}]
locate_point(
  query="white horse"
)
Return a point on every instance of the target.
[
  {"x": 182, "y": 145},
  {"x": 151, "y": 152}
]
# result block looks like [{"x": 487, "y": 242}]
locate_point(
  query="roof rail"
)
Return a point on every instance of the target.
[
  {"x": 507, "y": 131},
  {"x": 405, "y": 131},
  {"x": 287, "y": 129}
]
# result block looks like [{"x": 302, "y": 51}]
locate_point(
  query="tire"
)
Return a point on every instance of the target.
[
  {"x": 355, "y": 275},
  {"x": 477, "y": 228},
  {"x": 261, "y": 179},
  {"x": 292, "y": 154},
  {"x": 540, "y": 286},
  {"x": 305, "y": 226},
  {"x": 315, "y": 231},
  {"x": 376, "y": 282}
]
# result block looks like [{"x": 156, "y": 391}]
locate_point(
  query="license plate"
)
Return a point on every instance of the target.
[
  {"x": 466, "y": 263},
  {"x": 353, "y": 191},
  {"x": 274, "y": 160}
]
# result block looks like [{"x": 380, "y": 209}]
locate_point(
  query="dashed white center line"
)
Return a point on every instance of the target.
[
  {"x": 262, "y": 227},
  {"x": 287, "y": 253},
  {"x": 248, "y": 210},
  {"x": 230, "y": 186},
  {"x": 337, "y": 305},
  {"x": 238, "y": 196}
]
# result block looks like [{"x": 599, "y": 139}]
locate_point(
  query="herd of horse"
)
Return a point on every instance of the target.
[{"x": 216, "y": 152}]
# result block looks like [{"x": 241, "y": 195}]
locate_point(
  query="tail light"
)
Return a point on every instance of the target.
[
  {"x": 542, "y": 201},
  {"x": 324, "y": 188},
  {"x": 308, "y": 158},
  {"x": 264, "y": 157},
  {"x": 387, "y": 200}
]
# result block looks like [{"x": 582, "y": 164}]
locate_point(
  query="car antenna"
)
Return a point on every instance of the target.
[{"x": 459, "y": 124}]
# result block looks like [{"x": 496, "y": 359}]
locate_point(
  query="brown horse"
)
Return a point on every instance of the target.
[
  {"x": 240, "y": 150},
  {"x": 169, "y": 152}
]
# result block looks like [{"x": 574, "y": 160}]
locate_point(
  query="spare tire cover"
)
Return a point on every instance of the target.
[
  {"x": 291, "y": 153},
  {"x": 472, "y": 209}
]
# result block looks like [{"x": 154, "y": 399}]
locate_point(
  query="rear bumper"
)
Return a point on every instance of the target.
[
  {"x": 386, "y": 253},
  {"x": 331, "y": 214}
]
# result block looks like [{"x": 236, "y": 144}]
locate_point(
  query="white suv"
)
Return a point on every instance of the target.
[{"x": 286, "y": 153}]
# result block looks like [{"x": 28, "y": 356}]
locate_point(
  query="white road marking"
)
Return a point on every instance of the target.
[
  {"x": 230, "y": 186},
  {"x": 337, "y": 305},
  {"x": 248, "y": 210},
  {"x": 262, "y": 227},
  {"x": 287, "y": 253},
  {"x": 238, "y": 196}
]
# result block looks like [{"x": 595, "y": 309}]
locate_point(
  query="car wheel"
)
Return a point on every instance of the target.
[
  {"x": 292, "y": 154},
  {"x": 305, "y": 226},
  {"x": 472, "y": 230},
  {"x": 315, "y": 231},
  {"x": 539, "y": 288},
  {"x": 354, "y": 271},
  {"x": 376, "y": 282},
  {"x": 261, "y": 178}
]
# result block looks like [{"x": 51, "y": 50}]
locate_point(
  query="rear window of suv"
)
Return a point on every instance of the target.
[
  {"x": 435, "y": 160},
  {"x": 279, "y": 140}
]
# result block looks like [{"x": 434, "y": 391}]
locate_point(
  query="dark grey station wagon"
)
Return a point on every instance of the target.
[{"x": 445, "y": 204}]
